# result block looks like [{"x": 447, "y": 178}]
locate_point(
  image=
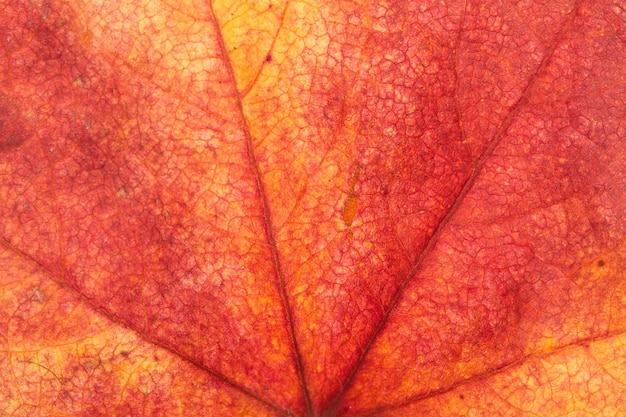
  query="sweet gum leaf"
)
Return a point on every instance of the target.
[{"x": 312, "y": 208}]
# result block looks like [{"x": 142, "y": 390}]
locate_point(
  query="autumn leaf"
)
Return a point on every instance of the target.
[{"x": 320, "y": 208}]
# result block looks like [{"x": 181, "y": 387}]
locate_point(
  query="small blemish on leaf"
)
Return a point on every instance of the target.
[
  {"x": 349, "y": 210},
  {"x": 268, "y": 58},
  {"x": 13, "y": 133},
  {"x": 601, "y": 263},
  {"x": 37, "y": 294},
  {"x": 11, "y": 141},
  {"x": 124, "y": 354},
  {"x": 461, "y": 396},
  {"x": 91, "y": 363}
]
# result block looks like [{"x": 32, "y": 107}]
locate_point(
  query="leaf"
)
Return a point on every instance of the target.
[{"x": 312, "y": 208}]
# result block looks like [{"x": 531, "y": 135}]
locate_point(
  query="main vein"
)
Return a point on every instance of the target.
[
  {"x": 269, "y": 230},
  {"x": 332, "y": 408}
]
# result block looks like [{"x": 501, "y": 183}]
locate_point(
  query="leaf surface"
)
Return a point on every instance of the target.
[{"x": 312, "y": 208}]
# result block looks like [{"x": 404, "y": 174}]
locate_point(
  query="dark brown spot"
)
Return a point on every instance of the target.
[
  {"x": 461, "y": 396},
  {"x": 13, "y": 133},
  {"x": 124, "y": 354},
  {"x": 268, "y": 58},
  {"x": 11, "y": 141},
  {"x": 600, "y": 263}
]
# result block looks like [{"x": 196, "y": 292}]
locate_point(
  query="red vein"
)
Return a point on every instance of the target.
[
  {"x": 332, "y": 408},
  {"x": 269, "y": 231}
]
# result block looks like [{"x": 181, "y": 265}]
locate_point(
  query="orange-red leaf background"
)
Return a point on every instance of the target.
[{"x": 320, "y": 208}]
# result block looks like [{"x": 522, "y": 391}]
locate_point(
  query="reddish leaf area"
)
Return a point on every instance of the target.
[{"x": 312, "y": 208}]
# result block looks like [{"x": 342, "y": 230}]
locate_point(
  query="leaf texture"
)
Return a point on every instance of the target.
[{"x": 312, "y": 208}]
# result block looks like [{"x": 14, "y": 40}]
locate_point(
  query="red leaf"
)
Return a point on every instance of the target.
[{"x": 333, "y": 209}]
